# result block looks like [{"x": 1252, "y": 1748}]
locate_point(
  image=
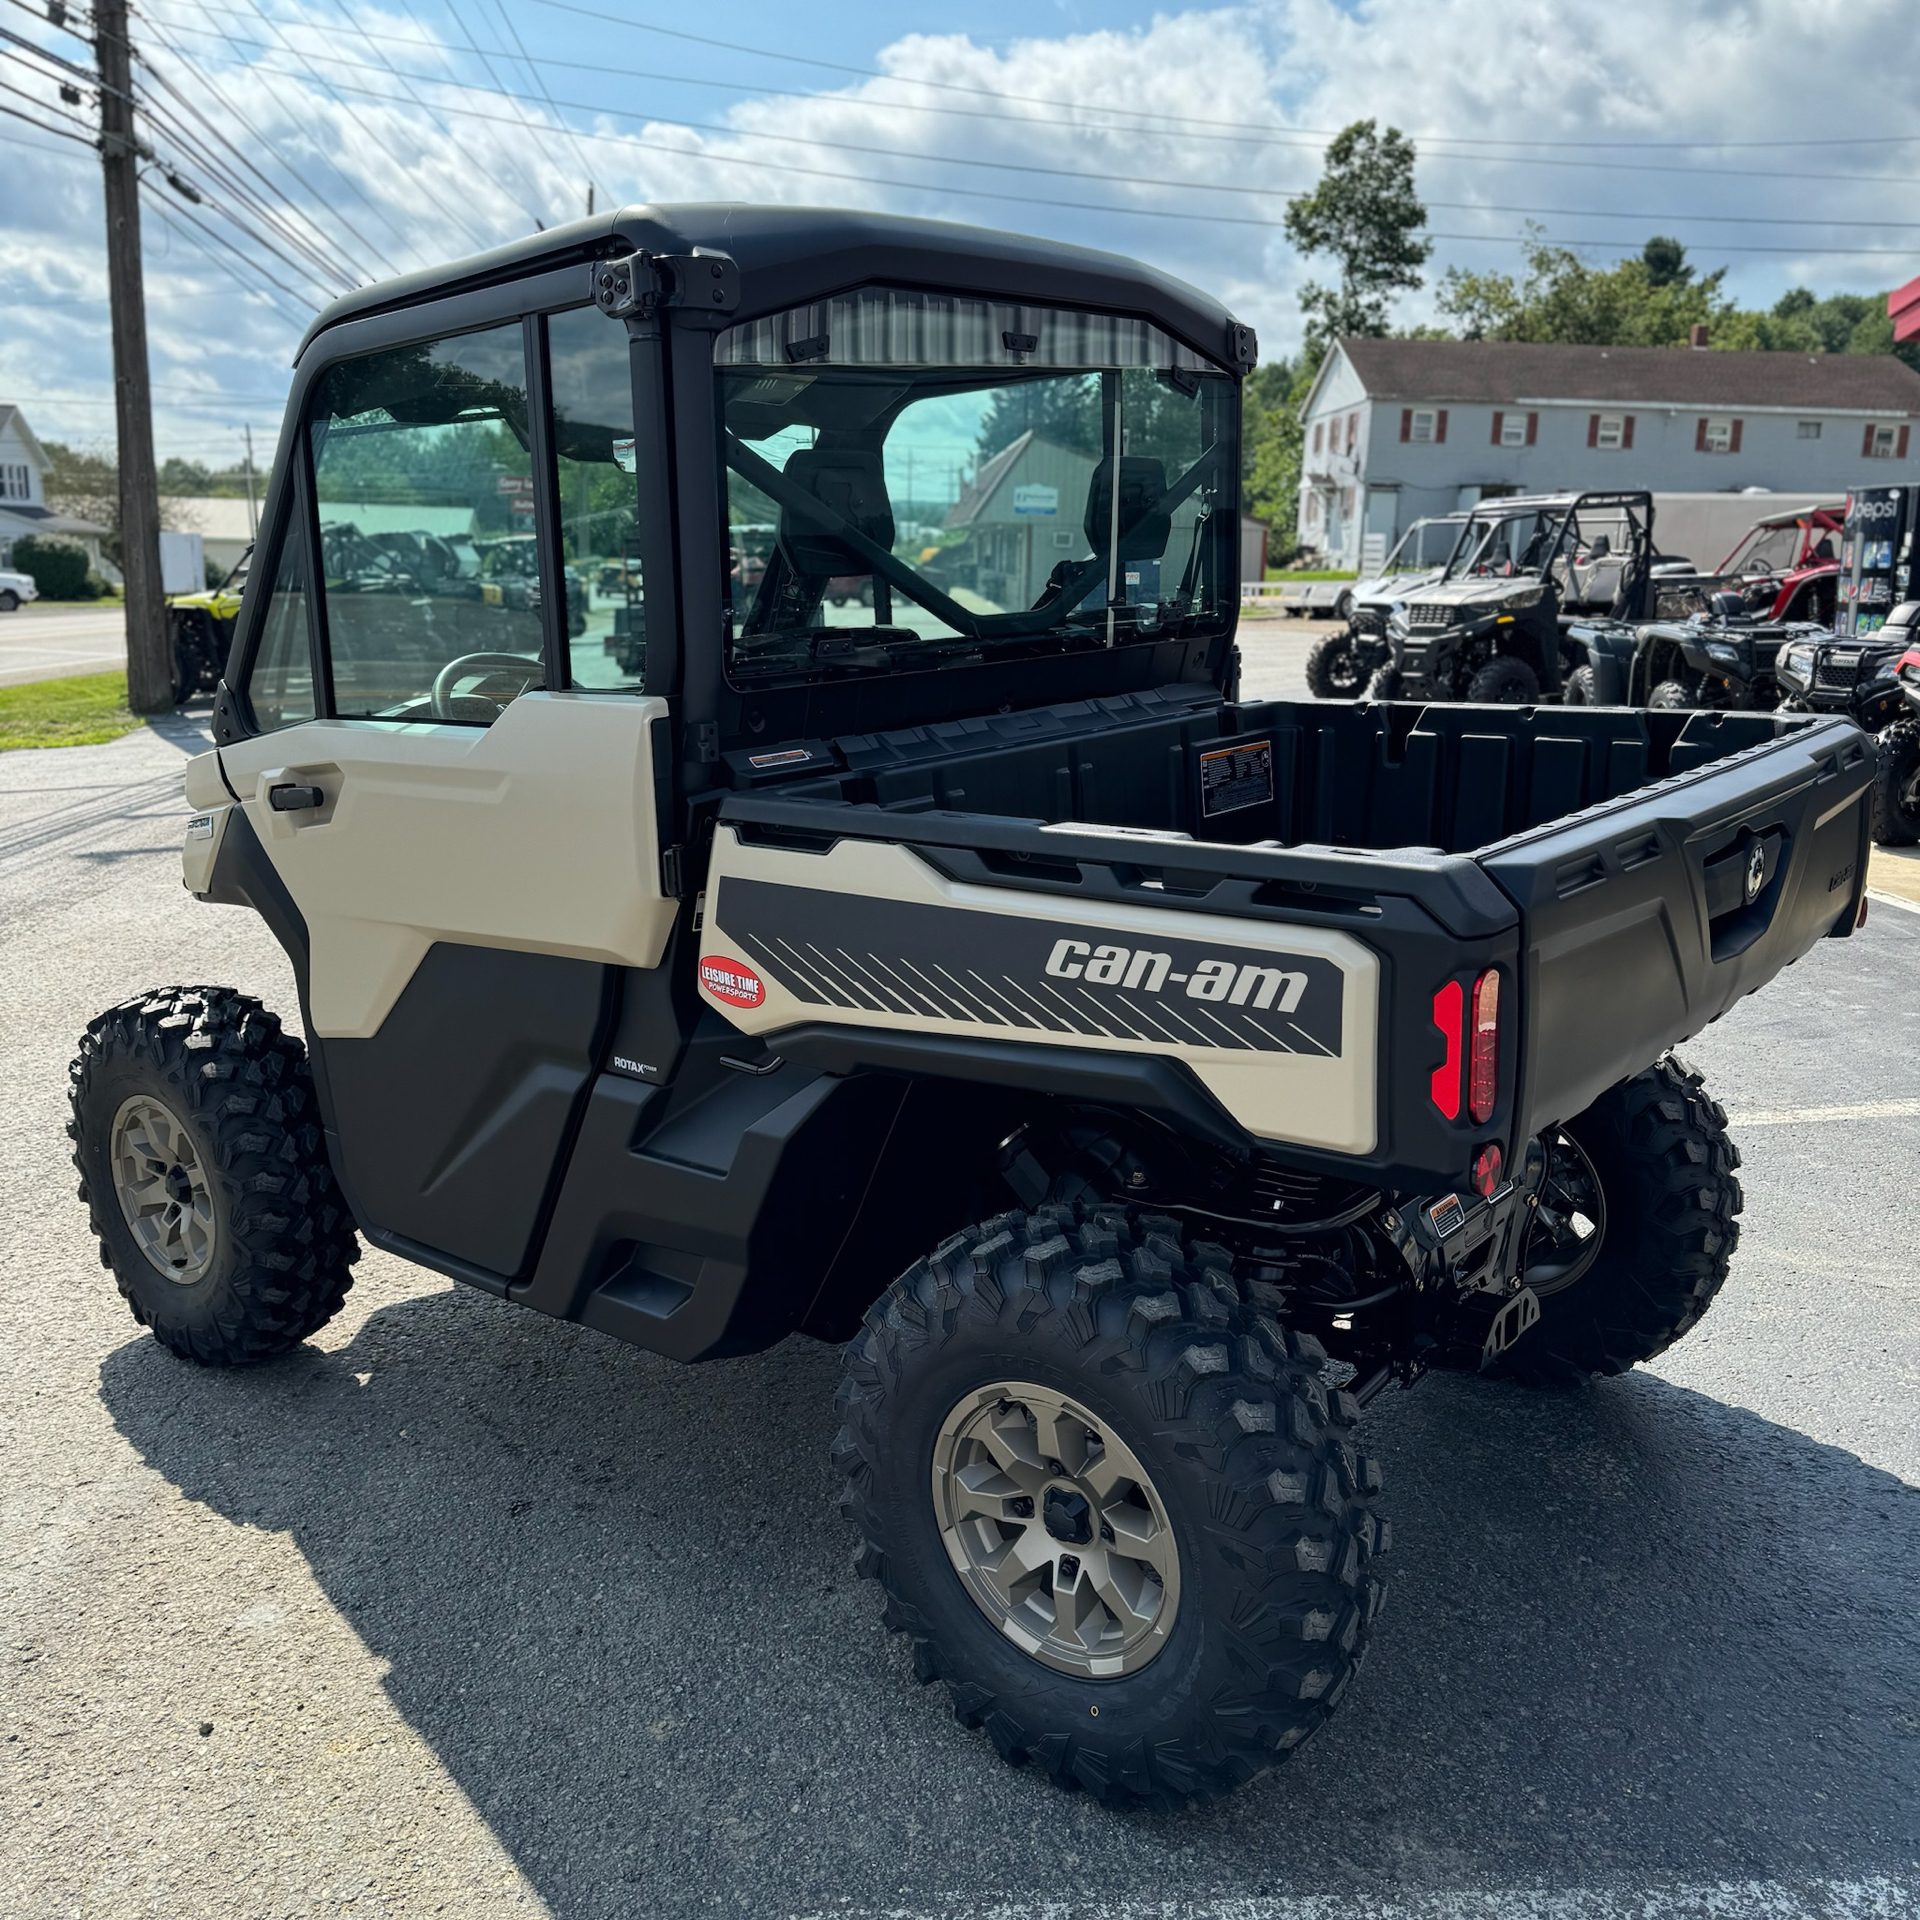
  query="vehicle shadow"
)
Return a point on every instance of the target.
[{"x": 1635, "y": 1635}]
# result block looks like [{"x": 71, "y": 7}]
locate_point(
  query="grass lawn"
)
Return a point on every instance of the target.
[
  {"x": 81, "y": 712},
  {"x": 1289, "y": 573}
]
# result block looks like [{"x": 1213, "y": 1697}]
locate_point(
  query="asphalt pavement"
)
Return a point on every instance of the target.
[
  {"x": 461, "y": 1611},
  {"x": 40, "y": 642}
]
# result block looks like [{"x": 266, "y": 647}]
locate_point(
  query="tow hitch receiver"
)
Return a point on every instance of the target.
[{"x": 1520, "y": 1315}]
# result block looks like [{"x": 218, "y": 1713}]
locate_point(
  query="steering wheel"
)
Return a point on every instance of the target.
[{"x": 442, "y": 697}]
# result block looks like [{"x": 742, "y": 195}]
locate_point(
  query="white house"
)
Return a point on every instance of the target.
[
  {"x": 23, "y": 494},
  {"x": 226, "y": 527},
  {"x": 1398, "y": 429}
]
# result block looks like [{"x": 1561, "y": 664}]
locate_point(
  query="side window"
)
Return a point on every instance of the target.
[
  {"x": 280, "y": 686},
  {"x": 424, "y": 491},
  {"x": 593, "y": 443}
]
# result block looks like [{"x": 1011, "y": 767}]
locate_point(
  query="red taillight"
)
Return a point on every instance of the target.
[
  {"x": 1486, "y": 1170},
  {"x": 1483, "y": 1071},
  {"x": 1449, "y": 1015}
]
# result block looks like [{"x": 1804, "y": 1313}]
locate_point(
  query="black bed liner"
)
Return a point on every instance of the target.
[{"x": 1600, "y": 853}]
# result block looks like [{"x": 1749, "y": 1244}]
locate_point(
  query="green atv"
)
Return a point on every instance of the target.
[{"x": 200, "y": 627}]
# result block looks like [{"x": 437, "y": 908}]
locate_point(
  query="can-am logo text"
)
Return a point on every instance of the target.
[{"x": 1147, "y": 972}]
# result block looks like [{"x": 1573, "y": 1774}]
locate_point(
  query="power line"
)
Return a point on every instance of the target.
[
  {"x": 579, "y": 152},
  {"x": 241, "y": 157},
  {"x": 1184, "y": 185}
]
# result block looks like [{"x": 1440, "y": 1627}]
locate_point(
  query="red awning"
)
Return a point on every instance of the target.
[{"x": 1904, "y": 306}]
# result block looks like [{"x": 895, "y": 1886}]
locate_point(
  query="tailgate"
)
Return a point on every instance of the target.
[{"x": 1647, "y": 917}]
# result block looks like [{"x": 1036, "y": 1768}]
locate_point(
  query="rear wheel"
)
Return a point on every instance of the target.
[
  {"x": 1636, "y": 1224},
  {"x": 1896, "y": 787},
  {"x": 1504, "y": 682},
  {"x": 1116, "y": 1511},
  {"x": 198, "y": 1143}
]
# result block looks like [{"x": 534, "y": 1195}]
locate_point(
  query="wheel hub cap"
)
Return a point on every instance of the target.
[
  {"x": 1055, "y": 1530},
  {"x": 162, "y": 1188}
]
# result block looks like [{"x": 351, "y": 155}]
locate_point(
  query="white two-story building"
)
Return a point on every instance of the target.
[
  {"x": 1400, "y": 429},
  {"x": 23, "y": 494}
]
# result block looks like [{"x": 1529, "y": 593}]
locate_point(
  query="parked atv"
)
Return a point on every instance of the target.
[
  {"x": 1724, "y": 659},
  {"x": 1896, "y": 793},
  {"x": 200, "y": 627},
  {"x": 1489, "y": 630},
  {"x": 1340, "y": 664},
  {"x": 1135, "y": 1080}
]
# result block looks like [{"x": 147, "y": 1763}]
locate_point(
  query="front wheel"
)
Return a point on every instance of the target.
[
  {"x": 1580, "y": 688},
  {"x": 1673, "y": 696},
  {"x": 9, "y": 600},
  {"x": 1896, "y": 786},
  {"x": 1635, "y": 1225},
  {"x": 1384, "y": 684},
  {"x": 1504, "y": 682},
  {"x": 197, "y": 1139},
  {"x": 1116, "y": 1511},
  {"x": 1333, "y": 667}
]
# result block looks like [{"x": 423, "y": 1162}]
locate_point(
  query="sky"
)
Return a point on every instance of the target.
[{"x": 388, "y": 136}]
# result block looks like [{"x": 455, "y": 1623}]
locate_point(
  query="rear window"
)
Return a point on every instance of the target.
[{"x": 918, "y": 480}]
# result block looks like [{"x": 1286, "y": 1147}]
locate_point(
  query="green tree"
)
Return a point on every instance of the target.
[
  {"x": 1366, "y": 214},
  {"x": 1653, "y": 299},
  {"x": 1065, "y": 410},
  {"x": 1271, "y": 446}
]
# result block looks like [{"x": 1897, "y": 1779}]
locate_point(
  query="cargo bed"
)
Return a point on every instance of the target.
[{"x": 1635, "y": 872}]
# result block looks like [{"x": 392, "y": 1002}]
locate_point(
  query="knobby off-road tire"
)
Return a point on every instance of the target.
[
  {"x": 1245, "y": 1451},
  {"x": 1896, "y": 785},
  {"x": 1673, "y": 696},
  {"x": 1504, "y": 682},
  {"x": 1580, "y": 688},
  {"x": 1384, "y": 683},
  {"x": 1665, "y": 1227},
  {"x": 1333, "y": 668},
  {"x": 205, "y": 1176}
]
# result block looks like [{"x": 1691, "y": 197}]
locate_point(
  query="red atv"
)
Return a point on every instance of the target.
[{"x": 1787, "y": 566}]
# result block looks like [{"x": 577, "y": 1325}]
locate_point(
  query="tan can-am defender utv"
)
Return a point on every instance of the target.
[{"x": 1137, "y": 1079}]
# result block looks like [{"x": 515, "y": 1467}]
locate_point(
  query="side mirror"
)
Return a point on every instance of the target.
[{"x": 1145, "y": 525}]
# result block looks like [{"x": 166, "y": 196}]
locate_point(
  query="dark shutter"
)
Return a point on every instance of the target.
[
  {"x": 1626, "y": 431},
  {"x": 1733, "y": 439},
  {"x": 1440, "y": 428},
  {"x": 1533, "y": 428},
  {"x": 1498, "y": 418},
  {"x": 1593, "y": 429},
  {"x": 1900, "y": 445},
  {"x": 1406, "y": 423},
  {"x": 1700, "y": 437},
  {"x": 1866, "y": 442}
]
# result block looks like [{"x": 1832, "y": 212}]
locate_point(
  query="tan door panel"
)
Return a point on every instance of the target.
[{"x": 536, "y": 833}]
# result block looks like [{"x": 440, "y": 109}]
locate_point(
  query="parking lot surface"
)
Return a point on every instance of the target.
[{"x": 462, "y": 1611}]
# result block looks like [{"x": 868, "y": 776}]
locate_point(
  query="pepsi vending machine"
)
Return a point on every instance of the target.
[{"x": 1877, "y": 558}]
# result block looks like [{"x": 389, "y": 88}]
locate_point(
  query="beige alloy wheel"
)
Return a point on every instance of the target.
[
  {"x": 162, "y": 1188},
  {"x": 1055, "y": 1530}
]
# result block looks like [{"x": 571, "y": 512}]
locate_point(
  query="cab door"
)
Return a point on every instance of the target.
[{"x": 451, "y": 775}]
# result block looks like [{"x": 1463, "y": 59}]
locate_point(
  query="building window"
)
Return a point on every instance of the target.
[
  {"x": 1319, "y": 427},
  {"x": 1885, "y": 443},
  {"x": 1513, "y": 430},
  {"x": 1717, "y": 434},
  {"x": 1808, "y": 430},
  {"x": 1353, "y": 431},
  {"x": 16, "y": 482},
  {"x": 1423, "y": 418},
  {"x": 1610, "y": 431}
]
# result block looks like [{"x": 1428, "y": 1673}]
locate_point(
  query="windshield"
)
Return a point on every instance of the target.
[
  {"x": 1766, "y": 550},
  {"x": 918, "y": 480},
  {"x": 236, "y": 581},
  {"x": 1498, "y": 545}
]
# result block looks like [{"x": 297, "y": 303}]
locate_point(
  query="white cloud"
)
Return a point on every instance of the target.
[{"x": 441, "y": 163}]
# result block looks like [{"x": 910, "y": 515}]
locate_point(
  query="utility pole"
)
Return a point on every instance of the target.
[
  {"x": 253, "y": 521},
  {"x": 149, "y": 657}
]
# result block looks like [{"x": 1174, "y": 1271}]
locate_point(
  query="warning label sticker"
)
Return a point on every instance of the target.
[{"x": 1237, "y": 776}]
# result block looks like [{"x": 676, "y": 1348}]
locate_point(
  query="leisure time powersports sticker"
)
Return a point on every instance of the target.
[{"x": 944, "y": 964}]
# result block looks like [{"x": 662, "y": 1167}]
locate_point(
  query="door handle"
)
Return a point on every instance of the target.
[{"x": 294, "y": 799}]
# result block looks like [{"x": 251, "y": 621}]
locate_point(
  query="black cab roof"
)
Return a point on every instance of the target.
[{"x": 789, "y": 255}]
